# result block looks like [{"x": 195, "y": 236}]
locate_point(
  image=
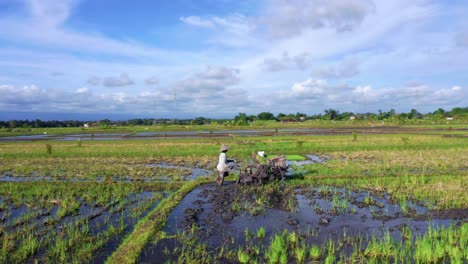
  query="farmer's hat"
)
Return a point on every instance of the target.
[{"x": 224, "y": 148}]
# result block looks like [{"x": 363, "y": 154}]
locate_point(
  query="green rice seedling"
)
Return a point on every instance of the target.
[
  {"x": 59, "y": 250},
  {"x": 330, "y": 258},
  {"x": 315, "y": 253},
  {"x": 277, "y": 250},
  {"x": 355, "y": 135},
  {"x": 300, "y": 253},
  {"x": 344, "y": 204},
  {"x": 293, "y": 239},
  {"x": 261, "y": 233},
  {"x": 242, "y": 256},
  {"x": 403, "y": 205}
]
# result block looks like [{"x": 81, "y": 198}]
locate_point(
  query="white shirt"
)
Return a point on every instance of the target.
[{"x": 222, "y": 166}]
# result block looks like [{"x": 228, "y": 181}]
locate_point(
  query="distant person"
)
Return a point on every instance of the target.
[{"x": 223, "y": 166}]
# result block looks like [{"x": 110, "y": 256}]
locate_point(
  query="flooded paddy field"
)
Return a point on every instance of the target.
[
  {"x": 234, "y": 223},
  {"x": 354, "y": 197},
  {"x": 226, "y": 133},
  {"x": 70, "y": 222}
]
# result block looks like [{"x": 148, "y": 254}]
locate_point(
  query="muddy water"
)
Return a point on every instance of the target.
[{"x": 319, "y": 214}]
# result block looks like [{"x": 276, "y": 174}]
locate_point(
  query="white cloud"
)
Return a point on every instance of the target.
[
  {"x": 285, "y": 18},
  {"x": 50, "y": 12},
  {"x": 298, "y": 62},
  {"x": 46, "y": 27},
  {"x": 309, "y": 88},
  {"x": 213, "y": 79},
  {"x": 234, "y": 23},
  {"x": 345, "y": 69},
  {"x": 461, "y": 39},
  {"x": 456, "y": 88},
  {"x": 122, "y": 80},
  {"x": 93, "y": 80},
  {"x": 83, "y": 90},
  {"x": 309, "y": 96},
  {"x": 153, "y": 80},
  {"x": 198, "y": 21},
  {"x": 235, "y": 30}
]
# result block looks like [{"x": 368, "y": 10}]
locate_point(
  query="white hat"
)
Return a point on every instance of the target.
[{"x": 224, "y": 148}]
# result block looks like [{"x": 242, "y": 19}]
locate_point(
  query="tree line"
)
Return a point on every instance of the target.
[{"x": 244, "y": 119}]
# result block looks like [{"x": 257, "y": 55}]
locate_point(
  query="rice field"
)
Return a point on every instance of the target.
[{"x": 356, "y": 197}]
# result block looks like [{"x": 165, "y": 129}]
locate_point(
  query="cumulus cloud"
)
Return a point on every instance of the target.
[
  {"x": 50, "y": 11},
  {"x": 153, "y": 80},
  {"x": 309, "y": 88},
  {"x": 314, "y": 95},
  {"x": 16, "y": 96},
  {"x": 211, "y": 91},
  {"x": 286, "y": 18},
  {"x": 122, "y": 80},
  {"x": 345, "y": 69},
  {"x": 83, "y": 90},
  {"x": 214, "y": 78},
  {"x": 461, "y": 39},
  {"x": 299, "y": 62},
  {"x": 93, "y": 80}
]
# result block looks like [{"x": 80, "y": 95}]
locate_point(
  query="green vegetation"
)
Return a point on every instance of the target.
[
  {"x": 79, "y": 196},
  {"x": 457, "y": 117},
  {"x": 66, "y": 221}
]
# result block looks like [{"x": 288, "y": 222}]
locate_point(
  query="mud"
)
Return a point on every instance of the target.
[{"x": 221, "y": 218}]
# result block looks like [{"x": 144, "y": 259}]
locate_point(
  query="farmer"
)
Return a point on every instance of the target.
[{"x": 222, "y": 166}]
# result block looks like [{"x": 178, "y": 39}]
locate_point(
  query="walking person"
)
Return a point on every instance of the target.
[{"x": 222, "y": 166}]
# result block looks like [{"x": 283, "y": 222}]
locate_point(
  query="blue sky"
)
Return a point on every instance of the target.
[{"x": 184, "y": 58}]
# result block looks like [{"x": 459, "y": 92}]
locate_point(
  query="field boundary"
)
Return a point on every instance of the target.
[{"x": 134, "y": 243}]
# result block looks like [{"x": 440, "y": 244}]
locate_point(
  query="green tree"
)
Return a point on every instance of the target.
[
  {"x": 265, "y": 116},
  {"x": 331, "y": 114}
]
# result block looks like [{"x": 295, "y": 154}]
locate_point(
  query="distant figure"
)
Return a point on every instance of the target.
[{"x": 222, "y": 166}]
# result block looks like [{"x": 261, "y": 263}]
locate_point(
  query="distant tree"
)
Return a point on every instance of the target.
[
  {"x": 200, "y": 121},
  {"x": 241, "y": 119},
  {"x": 344, "y": 116},
  {"x": 331, "y": 114},
  {"x": 439, "y": 111},
  {"x": 280, "y": 115},
  {"x": 265, "y": 116},
  {"x": 105, "y": 122},
  {"x": 458, "y": 111},
  {"x": 414, "y": 114}
]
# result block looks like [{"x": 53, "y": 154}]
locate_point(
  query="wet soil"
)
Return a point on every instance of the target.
[{"x": 218, "y": 217}]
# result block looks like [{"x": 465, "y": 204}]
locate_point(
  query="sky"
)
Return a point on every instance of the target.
[{"x": 218, "y": 58}]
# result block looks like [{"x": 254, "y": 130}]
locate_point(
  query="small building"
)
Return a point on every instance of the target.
[
  {"x": 85, "y": 125},
  {"x": 449, "y": 118},
  {"x": 352, "y": 117}
]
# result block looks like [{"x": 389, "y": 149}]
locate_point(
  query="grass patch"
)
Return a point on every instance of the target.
[{"x": 294, "y": 157}]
